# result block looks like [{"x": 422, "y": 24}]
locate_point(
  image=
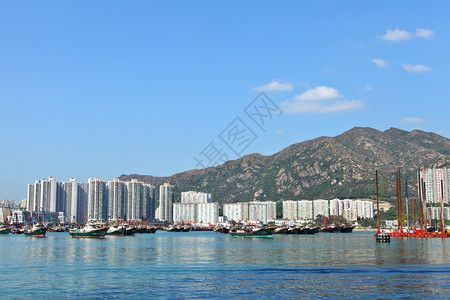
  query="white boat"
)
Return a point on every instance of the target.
[
  {"x": 89, "y": 231},
  {"x": 116, "y": 230},
  {"x": 38, "y": 230}
]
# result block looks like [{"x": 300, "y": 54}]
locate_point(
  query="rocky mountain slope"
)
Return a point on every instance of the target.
[{"x": 326, "y": 167}]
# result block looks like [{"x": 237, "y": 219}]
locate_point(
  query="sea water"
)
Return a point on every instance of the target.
[{"x": 209, "y": 265}]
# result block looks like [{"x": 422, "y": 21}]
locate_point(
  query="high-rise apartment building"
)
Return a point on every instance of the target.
[
  {"x": 195, "y": 197},
  {"x": 75, "y": 202},
  {"x": 184, "y": 212},
  {"x": 206, "y": 213},
  {"x": 97, "y": 200},
  {"x": 309, "y": 210},
  {"x": 148, "y": 202},
  {"x": 336, "y": 207},
  {"x": 261, "y": 212},
  {"x": 320, "y": 207},
  {"x": 117, "y": 198},
  {"x": 166, "y": 202},
  {"x": 134, "y": 200},
  {"x": 434, "y": 213},
  {"x": 31, "y": 202},
  {"x": 290, "y": 210},
  {"x": 42, "y": 195},
  {"x": 70, "y": 190},
  {"x": 305, "y": 210},
  {"x": 436, "y": 182},
  {"x": 234, "y": 212},
  {"x": 82, "y": 201},
  {"x": 48, "y": 195}
]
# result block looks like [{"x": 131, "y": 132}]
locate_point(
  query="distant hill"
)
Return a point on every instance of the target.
[{"x": 325, "y": 167}]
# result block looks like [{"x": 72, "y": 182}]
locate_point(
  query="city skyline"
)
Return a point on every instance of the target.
[{"x": 170, "y": 77}]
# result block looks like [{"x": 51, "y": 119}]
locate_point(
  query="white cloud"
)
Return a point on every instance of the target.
[
  {"x": 381, "y": 63},
  {"x": 368, "y": 88},
  {"x": 319, "y": 93},
  {"x": 396, "y": 35},
  {"x": 413, "y": 121},
  {"x": 279, "y": 131},
  {"x": 341, "y": 106},
  {"x": 319, "y": 100},
  {"x": 424, "y": 33},
  {"x": 275, "y": 86},
  {"x": 415, "y": 68}
]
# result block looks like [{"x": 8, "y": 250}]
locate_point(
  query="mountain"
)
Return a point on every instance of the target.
[{"x": 326, "y": 167}]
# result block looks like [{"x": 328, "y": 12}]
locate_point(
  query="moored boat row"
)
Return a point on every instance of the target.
[
  {"x": 87, "y": 230},
  {"x": 337, "y": 229},
  {"x": 297, "y": 230},
  {"x": 252, "y": 232}
]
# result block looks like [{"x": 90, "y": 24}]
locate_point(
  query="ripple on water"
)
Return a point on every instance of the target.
[{"x": 209, "y": 265}]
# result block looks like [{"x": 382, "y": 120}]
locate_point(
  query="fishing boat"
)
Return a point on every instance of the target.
[
  {"x": 292, "y": 230},
  {"x": 89, "y": 231},
  {"x": 328, "y": 229},
  {"x": 252, "y": 232},
  {"x": 281, "y": 230},
  {"x": 172, "y": 228},
  {"x": 313, "y": 230},
  {"x": 4, "y": 229},
  {"x": 38, "y": 230},
  {"x": 150, "y": 229},
  {"x": 117, "y": 230},
  {"x": 302, "y": 230},
  {"x": 347, "y": 228},
  {"x": 130, "y": 230},
  {"x": 222, "y": 229},
  {"x": 56, "y": 229},
  {"x": 17, "y": 230}
]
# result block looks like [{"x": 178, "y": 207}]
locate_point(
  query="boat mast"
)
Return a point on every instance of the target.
[
  {"x": 406, "y": 203},
  {"x": 414, "y": 215},
  {"x": 442, "y": 207},
  {"x": 424, "y": 203},
  {"x": 400, "y": 198},
  {"x": 343, "y": 215},
  {"x": 396, "y": 189},
  {"x": 419, "y": 187},
  {"x": 378, "y": 202}
]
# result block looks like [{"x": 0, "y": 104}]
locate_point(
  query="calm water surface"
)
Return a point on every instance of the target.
[{"x": 209, "y": 265}]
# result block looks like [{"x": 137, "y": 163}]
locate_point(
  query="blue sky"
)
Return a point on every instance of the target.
[{"x": 104, "y": 88}]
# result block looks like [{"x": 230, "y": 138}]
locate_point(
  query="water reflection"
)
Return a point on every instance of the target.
[{"x": 206, "y": 265}]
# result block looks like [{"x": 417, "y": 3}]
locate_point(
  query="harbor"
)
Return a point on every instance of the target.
[{"x": 176, "y": 265}]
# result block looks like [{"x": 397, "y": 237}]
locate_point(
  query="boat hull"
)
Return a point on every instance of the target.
[
  {"x": 150, "y": 230},
  {"x": 5, "y": 231},
  {"x": 100, "y": 233},
  {"x": 302, "y": 230},
  {"x": 130, "y": 231},
  {"x": 222, "y": 230},
  {"x": 314, "y": 230},
  {"x": 292, "y": 230},
  {"x": 120, "y": 232},
  {"x": 36, "y": 233},
  {"x": 281, "y": 230},
  {"x": 261, "y": 233},
  {"x": 347, "y": 229}
]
